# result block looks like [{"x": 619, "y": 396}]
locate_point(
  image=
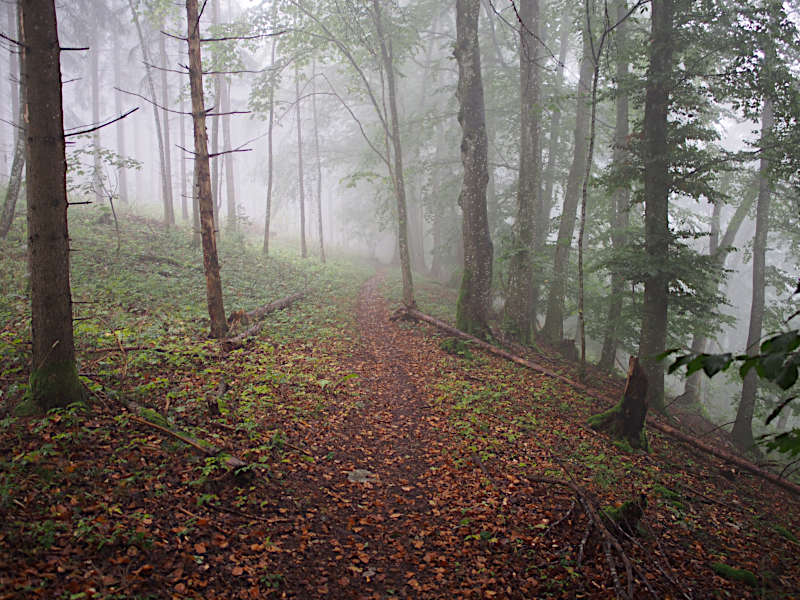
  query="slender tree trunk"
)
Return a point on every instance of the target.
[
  {"x": 656, "y": 197},
  {"x": 169, "y": 218},
  {"x": 94, "y": 81},
  {"x": 553, "y": 329},
  {"x": 475, "y": 296},
  {"x": 184, "y": 191},
  {"x": 216, "y": 310},
  {"x": 54, "y": 376},
  {"x": 122, "y": 173},
  {"x": 398, "y": 177},
  {"x": 541, "y": 224},
  {"x": 270, "y": 129},
  {"x": 319, "y": 161},
  {"x": 300, "y": 184},
  {"x": 519, "y": 310},
  {"x": 216, "y": 186},
  {"x": 230, "y": 184},
  {"x": 719, "y": 250},
  {"x": 743, "y": 427},
  {"x": 166, "y": 193},
  {"x": 620, "y": 198},
  {"x": 18, "y": 160}
]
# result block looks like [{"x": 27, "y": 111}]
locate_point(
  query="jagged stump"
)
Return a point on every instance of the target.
[{"x": 626, "y": 420}]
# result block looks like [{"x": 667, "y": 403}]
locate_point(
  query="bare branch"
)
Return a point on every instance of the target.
[
  {"x": 101, "y": 125},
  {"x": 12, "y": 40},
  {"x": 156, "y": 104},
  {"x": 244, "y": 37}
]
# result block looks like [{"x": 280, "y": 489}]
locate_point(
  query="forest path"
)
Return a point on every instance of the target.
[{"x": 401, "y": 532}]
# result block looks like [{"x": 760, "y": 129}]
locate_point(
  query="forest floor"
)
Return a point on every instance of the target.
[{"x": 378, "y": 465}]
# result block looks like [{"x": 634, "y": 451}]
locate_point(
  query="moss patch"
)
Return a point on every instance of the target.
[
  {"x": 734, "y": 574},
  {"x": 54, "y": 385}
]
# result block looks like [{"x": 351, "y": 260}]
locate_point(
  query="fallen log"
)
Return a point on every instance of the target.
[
  {"x": 256, "y": 315},
  {"x": 204, "y": 447},
  {"x": 744, "y": 464}
]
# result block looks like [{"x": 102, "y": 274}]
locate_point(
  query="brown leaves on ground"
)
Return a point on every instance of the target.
[{"x": 446, "y": 501}]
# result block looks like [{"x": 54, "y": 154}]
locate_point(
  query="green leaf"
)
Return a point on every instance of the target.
[{"x": 714, "y": 363}]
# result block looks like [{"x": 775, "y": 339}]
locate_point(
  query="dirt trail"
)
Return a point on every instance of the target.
[{"x": 402, "y": 533}]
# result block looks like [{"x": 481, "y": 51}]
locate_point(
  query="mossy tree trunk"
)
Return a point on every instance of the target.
[
  {"x": 626, "y": 420},
  {"x": 474, "y": 298},
  {"x": 54, "y": 377}
]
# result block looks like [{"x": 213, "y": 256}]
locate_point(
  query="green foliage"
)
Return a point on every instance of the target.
[
  {"x": 456, "y": 347},
  {"x": 734, "y": 574}
]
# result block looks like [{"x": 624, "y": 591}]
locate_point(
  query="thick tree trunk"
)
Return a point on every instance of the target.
[
  {"x": 743, "y": 427},
  {"x": 166, "y": 189},
  {"x": 519, "y": 309},
  {"x": 475, "y": 295},
  {"x": 553, "y": 329},
  {"x": 216, "y": 310},
  {"x": 18, "y": 160},
  {"x": 656, "y": 197},
  {"x": 169, "y": 204},
  {"x": 270, "y": 129},
  {"x": 301, "y": 196},
  {"x": 54, "y": 376},
  {"x": 398, "y": 177},
  {"x": 319, "y": 164},
  {"x": 122, "y": 173},
  {"x": 620, "y": 198},
  {"x": 230, "y": 184}
]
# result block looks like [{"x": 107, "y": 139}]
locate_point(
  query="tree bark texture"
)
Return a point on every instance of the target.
[
  {"x": 398, "y": 176},
  {"x": 94, "y": 82},
  {"x": 553, "y": 329},
  {"x": 626, "y": 420},
  {"x": 301, "y": 196},
  {"x": 620, "y": 197},
  {"x": 657, "y": 185},
  {"x": 54, "y": 376},
  {"x": 742, "y": 428},
  {"x": 216, "y": 310},
  {"x": 166, "y": 189},
  {"x": 184, "y": 190},
  {"x": 519, "y": 309},
  {"x": 18, "y": 160},
  {"x": 474, "y": 299}
]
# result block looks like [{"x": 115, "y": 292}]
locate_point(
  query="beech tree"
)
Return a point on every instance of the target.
[
  {"x": 54, "y": 378},
  {"x": 475, "y": 294}
]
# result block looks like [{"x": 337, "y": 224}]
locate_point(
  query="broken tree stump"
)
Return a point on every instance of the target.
[{"x": 626, "y": 419}]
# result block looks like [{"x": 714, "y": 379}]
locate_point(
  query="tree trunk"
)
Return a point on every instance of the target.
[
  {"x": 230, "y": 184},
  {"x": 301, "y": 196},
  {"x": 620, "y": 198},
  {"x": 626, "y": 420},
  {"x": 519, "y": 310},
  {"x": 398, "y": 177},
  {"x": 553, "y": 329},
  {"x": 270, "y": 128},
  {"x": 542, "y": 223},
  {"x": 656, "y": 198},
  {"x": 169, "y": 204},
  {"x": 475, "y": 295},
  {"x": 122, "y": 173},
  {"x": 184, "y": 191},
  {"x": 18, "y": 161},
  {"x": 720, "y": 252},
  {"x": 216, "y": 311},
  {"x": 742, "y": 428},
  {"x": 319, "y": 162},
  {"x": 54, "y": 376},
  {"x": 166, "y": 193}
]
